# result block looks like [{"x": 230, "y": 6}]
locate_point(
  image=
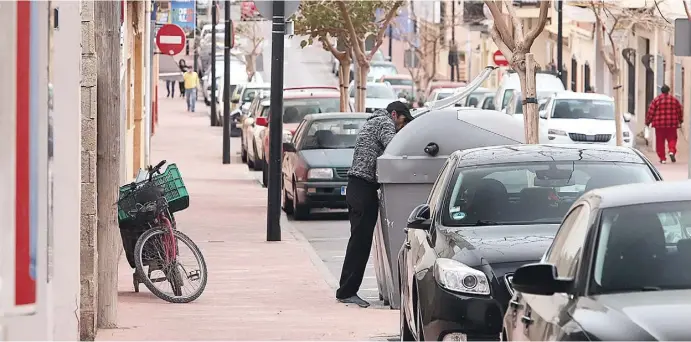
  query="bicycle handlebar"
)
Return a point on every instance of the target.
[{"x": 155, "y": 169}]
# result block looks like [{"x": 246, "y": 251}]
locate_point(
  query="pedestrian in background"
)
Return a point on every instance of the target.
[
  {"x": 191, "y": 82},
  {"x": 666, "y": 115},
  {"x": 170, "y": 87},
  {"x": 182, "y": 64},
  {"x": 362, "y": 198}
]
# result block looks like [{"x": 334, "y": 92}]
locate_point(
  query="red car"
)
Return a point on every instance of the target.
[
  {"x": 298, "y": 102},
  {"x": 248, "y": 11}
]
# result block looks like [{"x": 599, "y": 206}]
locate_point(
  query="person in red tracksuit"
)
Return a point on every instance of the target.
[{"x": 665, "y": 115}]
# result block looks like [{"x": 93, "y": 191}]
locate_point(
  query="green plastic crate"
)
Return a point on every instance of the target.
[{"x": 174, "y": 190}]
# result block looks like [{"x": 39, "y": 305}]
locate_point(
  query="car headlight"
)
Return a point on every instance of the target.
[
  {"x": 287, "y": 136},
  {"x": 455, "y": 276},
  {"x": 556, "y": 132},
  {"x": 625, "y": 134},
  {"x": 320, "y": 174}
]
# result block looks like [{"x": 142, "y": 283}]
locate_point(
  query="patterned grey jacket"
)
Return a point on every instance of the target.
[{"x": 375, "y": 134}]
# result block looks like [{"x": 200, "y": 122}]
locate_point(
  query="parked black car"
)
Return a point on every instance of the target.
[
  {"x": 618, "y": 270},
  {"x": 317, "y": 160},
  {"x": 490, "y": 211}
]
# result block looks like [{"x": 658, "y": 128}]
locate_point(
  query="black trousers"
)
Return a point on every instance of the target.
[
  {"x": 363, "y": 211},
  {"x": 182, "y": 88}
]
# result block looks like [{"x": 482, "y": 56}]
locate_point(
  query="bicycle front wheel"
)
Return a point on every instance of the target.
[{"x": 175, "y": 272}]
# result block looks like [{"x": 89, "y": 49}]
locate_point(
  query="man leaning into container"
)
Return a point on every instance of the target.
[{"x": 362, "y": 198}]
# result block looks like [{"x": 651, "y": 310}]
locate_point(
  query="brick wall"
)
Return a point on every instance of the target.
[{"x": 88, "y": 253}]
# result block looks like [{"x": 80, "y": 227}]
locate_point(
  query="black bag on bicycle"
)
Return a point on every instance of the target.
[{"x": 131, "y": 230}]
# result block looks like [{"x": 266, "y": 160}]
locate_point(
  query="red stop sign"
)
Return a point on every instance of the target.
[
  {"x": 170, "y": 39},
  {"x": 499, "y": 59}
]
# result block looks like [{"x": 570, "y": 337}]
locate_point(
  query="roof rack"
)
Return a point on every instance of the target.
[{"x": 310, "y": 88}]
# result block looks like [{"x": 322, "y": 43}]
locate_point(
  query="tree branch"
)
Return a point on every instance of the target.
[
  {"x": 380, "y": 35},
  {"x": 357, "y": 49},
  {"x": 600, "y": 30},
  {"x": 340, "y": 55},
  {"x": 541, "y": 21},
  {"x": 505, "y": 50},
  {"x": 503, "y": 33},
  {"x": 686, "y": 8},
  {"x": 517, "y": 26}
]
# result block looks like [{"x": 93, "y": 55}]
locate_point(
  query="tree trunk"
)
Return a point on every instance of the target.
[
  {"x": 361, "y": 90},
  {"x": 530, "y": 112},
  {"x": 618, "y": 114},
  {"x": 344, "y": 82},
  {"x": 107, "y": 15},
  {"x": 249, "y": 67}
]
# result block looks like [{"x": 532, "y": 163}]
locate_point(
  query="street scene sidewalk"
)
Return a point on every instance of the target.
[{"x": 257, "y": 290}]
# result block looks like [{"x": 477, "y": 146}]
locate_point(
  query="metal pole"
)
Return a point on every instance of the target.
[
  {"x": 560, "y": 42},
  {"x": 196, "y": 40},
  {"x": 273, "y": 212},
  {"x": 390, "y": 43},
  {"x": 226, "y": 87},
  {"x": 214, "y": 22}
]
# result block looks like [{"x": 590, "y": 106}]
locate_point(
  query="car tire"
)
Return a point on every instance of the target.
[
  {"x": 300, "y": 211},
  {"x": 250, "y": 161},
  {"x": 265, "y": 176},
  {"x": 207, "y": 102},
  {"x": 406, "y": 334},
  {"x": 256, "y": 162},
  {"x": 243, "y": 154},
  {"x": 286, "y": 204}
]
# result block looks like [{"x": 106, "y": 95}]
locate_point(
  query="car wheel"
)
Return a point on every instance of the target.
[
  {"x": 265, "y": 176},
  {"x": 207, "y": 102},
  {"x": 256, "y": 162},
  {"x": 250, "y": 161},
  {"x": 418, "y": 321},
  {"x": 406, "y": 334},
  {"x": 287, "y": 204},
  {"x": 300, "y": 211}
]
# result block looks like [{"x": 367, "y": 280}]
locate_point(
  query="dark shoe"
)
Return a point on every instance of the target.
[
  {"x": 673, "y": 157},
  {"x": 354, "y": 300}
]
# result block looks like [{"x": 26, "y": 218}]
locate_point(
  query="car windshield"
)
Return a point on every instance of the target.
[
  {"x": 399, "y": 81},
  {"x": 378, "y": 91},
  {"x": 250, "y": 93},
  {"x": 583, "y": 109},
  {"x": 537, "y": 192},
  {"x": 294, "y": 110},
  {"x": 443, "y": 95},
  {"x": 475, "y": 98},
  {"x": 541, "y": 96},
  {"x": 332, "y": 133},
  {"x": 381, "y": 70},
  {"x": 644, "y": 247}
]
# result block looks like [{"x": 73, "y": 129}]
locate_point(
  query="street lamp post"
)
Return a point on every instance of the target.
[
  {"x": 226, "y": 85},
  {"x": 214, "y": 22},
  {"x": 273, "y": 212}
]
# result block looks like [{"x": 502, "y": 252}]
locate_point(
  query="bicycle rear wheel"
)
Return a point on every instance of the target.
[{"x": 186, "y": 282}]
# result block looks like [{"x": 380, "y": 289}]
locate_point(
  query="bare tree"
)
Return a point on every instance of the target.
[
  {"x": 356, "y": 9},
  {"x": 508, "y": 33},
  {"x": 613, "y": 23},
  {"x": 250, "y": 43},
  {"x": 425, "y": 46}
]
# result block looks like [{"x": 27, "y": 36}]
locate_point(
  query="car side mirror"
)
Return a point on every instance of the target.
[
  {"x": 432, "y": 149},
  {"x": 539, "y": 279},
  {"x": 261, "y": 121},
  {"x": 288, "y": 147},
  {"x": 543, "y": 114},
  {"x": 627, "y": 117},
  {"x": 420, "y": 218},
  {"x": 235, "y": 100},
  {"x": 245, "y": 106}
]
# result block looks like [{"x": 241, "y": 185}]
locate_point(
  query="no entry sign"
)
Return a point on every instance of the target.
[
  {"x": 499, "y": 59},
  {"x": 170, "y": 39}
]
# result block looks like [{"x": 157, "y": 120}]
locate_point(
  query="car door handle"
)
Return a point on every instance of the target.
[
  {"x": 526, "y": 320},
  {"x": 406, "y": 244},
  {"x": 514, "y": 304}
]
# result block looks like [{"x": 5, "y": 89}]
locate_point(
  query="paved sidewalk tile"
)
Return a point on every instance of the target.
[{"x": 257, "y": 290}]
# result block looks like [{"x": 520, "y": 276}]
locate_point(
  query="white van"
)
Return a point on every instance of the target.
[{"x": 509, "y": 83}]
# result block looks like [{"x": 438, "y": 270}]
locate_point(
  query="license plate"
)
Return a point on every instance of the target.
[{"x": 343, "y": 190}]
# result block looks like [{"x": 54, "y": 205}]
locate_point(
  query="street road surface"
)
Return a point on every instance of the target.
[{"x": 328, "y": 231}]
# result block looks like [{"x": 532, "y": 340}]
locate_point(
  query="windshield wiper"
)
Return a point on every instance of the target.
[{"x": 486, "y": 223}]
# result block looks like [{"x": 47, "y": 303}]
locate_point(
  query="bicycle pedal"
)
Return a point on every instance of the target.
[{"x": 194, "y": 275}]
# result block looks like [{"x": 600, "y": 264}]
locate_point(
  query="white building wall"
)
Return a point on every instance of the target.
[{"x": 67, "y": 170}]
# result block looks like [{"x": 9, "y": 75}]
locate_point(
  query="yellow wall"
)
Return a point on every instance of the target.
[{"x": 136, "y": 78}]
